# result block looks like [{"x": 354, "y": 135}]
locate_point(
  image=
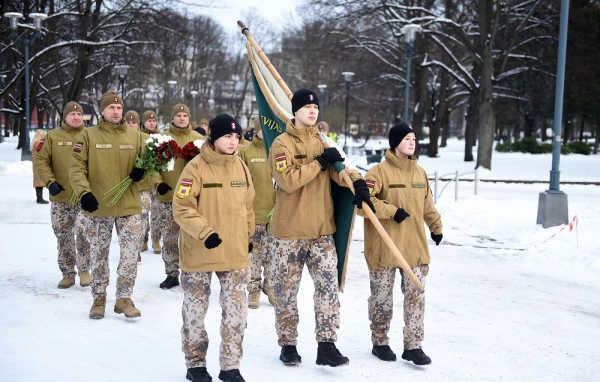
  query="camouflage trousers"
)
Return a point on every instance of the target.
[
  {"x": 154, "y": 218},
  {"x": 260, "y": 259},
  {"x": 73, "y": 249},
  {"x": 289, "y": 257},
  {"x": 170, "y": 234},
  {"x": 146, "y": 197},
  {"x": 381, "y": 306},
  {"x": 99, "y": 232},
  {"x": 234, "y": 314}
]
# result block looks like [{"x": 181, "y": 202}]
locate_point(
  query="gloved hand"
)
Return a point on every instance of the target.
[
  {"x": 361, "y": 194},
  {"x": 163, "y": 188},
  {"x": 55, "y": 188},
  {"x": 250, "y": 246},
  {"x": 329, "y": 155},
  {"x": 137, "y": 174},
  {"x": 437, "y": 238},
  {"x": 400, "y": 215},
  {"x": 212, "y": 241},
  {"x": 89, "y": 202}
]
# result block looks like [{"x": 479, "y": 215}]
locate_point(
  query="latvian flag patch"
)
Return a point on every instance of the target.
[
  {"x": 279, "y": 157},
  {"x": 186, "y": 182},
  {"x": 77, "y": 147}
]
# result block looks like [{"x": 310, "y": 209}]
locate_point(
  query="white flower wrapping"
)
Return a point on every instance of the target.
[{"x": 198, "y": 143}]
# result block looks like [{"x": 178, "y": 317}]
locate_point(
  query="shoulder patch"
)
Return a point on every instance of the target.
[
  {"x": 185, "y": 186},
  {"x": 40, "y": 145},
  {"x": 371, "y": 186},
  {"x": 280, "y": 162},
  {"x": 77, "y": 147}
]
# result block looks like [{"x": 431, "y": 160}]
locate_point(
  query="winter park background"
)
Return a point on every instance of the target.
[{"x": 501, "y": 306}]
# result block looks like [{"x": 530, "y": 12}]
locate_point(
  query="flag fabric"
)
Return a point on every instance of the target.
[{"x": 275, "y": 110}]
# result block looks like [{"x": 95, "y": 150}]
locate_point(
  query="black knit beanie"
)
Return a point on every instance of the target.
[
  {"x": 398, "y": 132},
  {"x": 303, "y": 97},
  {"x": 223, "y": 124}
]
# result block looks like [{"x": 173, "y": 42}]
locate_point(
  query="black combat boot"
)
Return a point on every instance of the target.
[
  {"x": 416, "y": 356},
  {"x": 231, "y": 376},
  {"x": 289, "y": 355},
  {"x": 39, "y": 193},
  {"x": 198, "y": 374},
  {"x": 383, "y": 352},
  {"x": 170, "y": 282},
  {"x": 329, "y": 355}
]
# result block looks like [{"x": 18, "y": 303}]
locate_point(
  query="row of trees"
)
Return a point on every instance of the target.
[{"x": 489, "y": 62}]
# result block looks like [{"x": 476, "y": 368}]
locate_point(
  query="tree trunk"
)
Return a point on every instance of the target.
[
  {"x": 487, "y": 118},
  {"x": 566, "y": 128},
  {"x": 440, "y": 117},
  {"x": 581, "y": 128},
  {"x": 423, "y": 94},
  {"x": 597, "y": 140}
]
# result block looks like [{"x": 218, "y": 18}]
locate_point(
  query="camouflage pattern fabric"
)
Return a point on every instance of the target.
[
  {"x": 381, "y": 306},
  {"x": 234, "y": 306},
  {"x": 260, "y": 259},
  {"x": 99, "y": 231},
  {"x": 73, "y": 248},
  {"x": 170, "y": 233},
  {"x": 289, "y": 257},
  {"x": 146, "y": 197},
  {"x": 155, "y": 232}
]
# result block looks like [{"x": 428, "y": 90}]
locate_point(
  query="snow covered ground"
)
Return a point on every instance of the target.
[{"x": 498, "y": 307}]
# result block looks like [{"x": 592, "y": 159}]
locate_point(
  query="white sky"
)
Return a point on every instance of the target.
[{"x": 230, "y": 11}]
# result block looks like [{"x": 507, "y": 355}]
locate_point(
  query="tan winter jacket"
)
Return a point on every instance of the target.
[
  {"x": 254, "y": 156},
  {"x": 400, "y": 183},
  {"x": 303, "y": 206},
  {"x": 214, "y": 194},
  {"x": 181, "y": 136},
  {"x": 102, "y": 157}
]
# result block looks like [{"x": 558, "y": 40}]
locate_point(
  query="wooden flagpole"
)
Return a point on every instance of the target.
[{"x": 370, "y": 214}]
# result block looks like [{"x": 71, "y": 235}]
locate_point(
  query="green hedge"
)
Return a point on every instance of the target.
[{"x": 532, "y": 146}]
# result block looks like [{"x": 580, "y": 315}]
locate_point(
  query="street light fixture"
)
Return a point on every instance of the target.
[
  {"x": 409, "y": 31},
  {"x": 194, "y": 93},
  {"x": 27, "y": 39},
  {"x": 122, "y": 73},
  {"x": 322, "y": 88},
  {"x": 348, "y": 80},
  {"x": 553, "y": 208}
]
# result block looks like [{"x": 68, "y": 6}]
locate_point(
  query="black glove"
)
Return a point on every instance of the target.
[
  {"x": 250, "y": 246},
  {"x": 212, "y": 241},
  {"x": 329, "y": 155},
  {"x": 137, "y": 174},
  {"x": 400, "y": 215},
  {"x": 55, "y": 188},
  {"x": 361, "y": 194},
  {"x": 88, "y": 202},
  {"x": 163, "y": 188},
  {"x": 436, "y": 238}
]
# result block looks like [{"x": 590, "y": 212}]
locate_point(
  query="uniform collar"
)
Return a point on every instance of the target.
[
  {"x": 179, "y": 131},
  {"x": 108, "y": 126},
  {"x": 301, "y": 133},
  {"x": 258, "y": 142},
  {"x": 65, "y": 126},
  {"x": 209, "y": 155},
  {"x": 403, "y": 164}
]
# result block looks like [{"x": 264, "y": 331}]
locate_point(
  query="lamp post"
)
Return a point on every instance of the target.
[
  {"x": 27, "y": 39},
  {"x": 194, "y": 93},
  {"x": 122, "y": 73},
  {"x": 409, "y": 31},
  {"x": 172, "y": 84},
  {"x": 553, "y": 208},
  {"x": 348, "y": 80},
  {"x": 322, "y": 93}
]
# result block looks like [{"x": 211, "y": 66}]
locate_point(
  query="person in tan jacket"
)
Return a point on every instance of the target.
[
  {"x": 150, "y": 127},
  {"x": 102, "y": 157},
  {"x": 38, "y": 184},
  {"x": 303, "y": 226},
  {"x": 213, "y": 206},
  {"x": 52, "y": 165},
  {"x": 254, "y": 156},
  {"x": 400, "y": 191},
  {"x": 181, "y": 131},
  {"x": 144, "y": 185}
]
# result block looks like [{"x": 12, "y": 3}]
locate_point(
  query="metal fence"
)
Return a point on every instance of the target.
[{"x": 436, "y": 179}]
